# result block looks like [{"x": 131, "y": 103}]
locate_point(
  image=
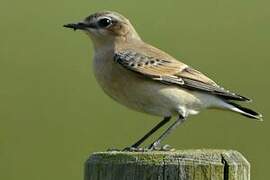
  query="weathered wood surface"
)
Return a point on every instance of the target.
[{"x": 177, "y": 165}]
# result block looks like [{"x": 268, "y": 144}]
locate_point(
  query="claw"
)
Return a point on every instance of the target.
[
  {"x": 135, "y": 149},
  {"x": 154, "y": 146},
  {"x": 166, "y": 147}
]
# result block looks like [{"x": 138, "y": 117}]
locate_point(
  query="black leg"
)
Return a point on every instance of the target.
[
  {"x": 167, "y": 132},
  {"x": 159, "y": 125}
]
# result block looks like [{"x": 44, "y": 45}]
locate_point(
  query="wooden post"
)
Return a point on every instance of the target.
[{"x": 176, "y": 165}]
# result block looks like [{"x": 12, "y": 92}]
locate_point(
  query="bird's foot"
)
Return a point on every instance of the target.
[
  {"x": 166, "y": 147},
  {"x": 152, "y": 147},
  {"x": 135, "y": 149},
  {"x": 129, "y": 149}
]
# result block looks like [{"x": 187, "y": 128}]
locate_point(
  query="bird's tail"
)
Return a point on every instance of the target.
[{"x": 245, "y": 111}]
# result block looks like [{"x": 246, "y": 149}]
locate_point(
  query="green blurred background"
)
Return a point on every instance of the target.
[{"x": 53, "y": 114}]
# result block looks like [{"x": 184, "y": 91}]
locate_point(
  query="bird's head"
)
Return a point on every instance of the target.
[{"x": 106, "y": 27}]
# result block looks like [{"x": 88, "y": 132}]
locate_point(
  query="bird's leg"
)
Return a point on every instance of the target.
[
  {"x": 139, "y": 142},
  {"x": 156, "y": 143}
]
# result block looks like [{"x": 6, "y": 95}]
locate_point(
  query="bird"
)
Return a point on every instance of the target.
[{"x": 149, "y": 80}]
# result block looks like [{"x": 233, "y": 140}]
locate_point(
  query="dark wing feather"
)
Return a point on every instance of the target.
[
  {"x": 171, "y": 71},
  {"x": 217, "y": 90}
]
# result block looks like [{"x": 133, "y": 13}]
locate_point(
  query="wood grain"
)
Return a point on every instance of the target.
[{"x": 177, "y": 165}]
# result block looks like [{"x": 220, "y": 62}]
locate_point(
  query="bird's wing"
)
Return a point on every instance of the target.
[{"x": 171, "y": 71}]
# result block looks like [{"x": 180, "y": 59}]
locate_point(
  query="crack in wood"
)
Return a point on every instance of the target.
[
  {"x": 177, "y": 165},
  {"x": 226, "y": 168}
]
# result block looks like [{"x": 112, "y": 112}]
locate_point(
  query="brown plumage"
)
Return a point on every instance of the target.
[
  {"x": 157, "y": 65},
  {"x": 147, "y": 79}
]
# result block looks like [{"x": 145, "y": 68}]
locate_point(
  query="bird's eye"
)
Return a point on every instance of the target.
[{"x": 105, "y": 22}]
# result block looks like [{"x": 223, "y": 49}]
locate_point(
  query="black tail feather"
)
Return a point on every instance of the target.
[{"x": 247, "y": 112}]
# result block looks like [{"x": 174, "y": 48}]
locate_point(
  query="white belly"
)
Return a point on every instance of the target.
[{"x": 140, "y": 94}]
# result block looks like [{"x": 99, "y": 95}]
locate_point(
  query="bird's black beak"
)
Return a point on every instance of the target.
[{"x": 79, "y": 25}]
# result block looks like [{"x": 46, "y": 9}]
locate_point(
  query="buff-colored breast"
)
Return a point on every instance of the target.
[{"x": 142, "y": 94}]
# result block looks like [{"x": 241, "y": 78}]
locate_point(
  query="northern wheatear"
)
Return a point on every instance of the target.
[{"x": 149, "y": 80}]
